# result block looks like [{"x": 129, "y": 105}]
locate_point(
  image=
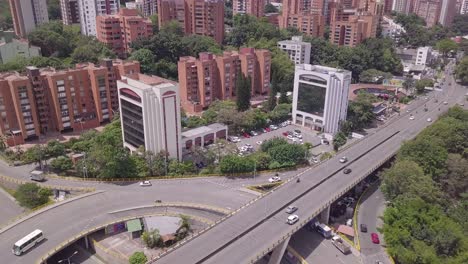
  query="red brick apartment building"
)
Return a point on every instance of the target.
[
  {"x": 249, "y": 7},
  {"x": 212, "y": 77},
  {"x": 199, "y": 17},
  {"x": 48, "y": 100},
  {"x": 305, "y": 15},
  {"x": 120, "y": 30}
]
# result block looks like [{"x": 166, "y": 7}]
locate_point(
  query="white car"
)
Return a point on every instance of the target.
[
  {"x": 343, "y": 159},
  {"x": 315, "y": 160},
  {"x": 291, "y": 209},
  {"x": 461, "y": 104},
  {"x": 274, "y": 179},
  {"x": 292, "y": 219},
  {"x": 411, "y": 118},
  {"x": 297, "y": 140},
  {"x": 259, "y": 142},
  {"x": 273, "y": 127},
  {"x": 445, "y": 103},
  {"x": 290, "y": 137},
  {"x": 145, "y": 183},
  {"x": 429, "y": 119},
  {"x": 297, "y": 135}
]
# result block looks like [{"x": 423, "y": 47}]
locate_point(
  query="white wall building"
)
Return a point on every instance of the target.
[
  {"x": 150, "y": 114},
  {"x": 90, "y": 9},
  {"x": 423, "y": 56},
  {"x": 299, "y": 51},
  {"x": 320, "y": 97},
  {"x": 464, "y": 7}
]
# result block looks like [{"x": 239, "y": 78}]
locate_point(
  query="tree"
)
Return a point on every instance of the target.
[
  {"x": 181, "y": 168},
  {"x": 455, "y": 182},
  {"x": 446, "y": 45},
  {"x": 407, "y": 178},
  {"x": 53, "y": 8},
  {"x": 282, "y": 112},
  {"x": 271, "y": 143},
  {"x": 146, "y": 59},
  {"x": 461, "y": 70},
  {"x": 151, "y": 238},
  {"x": 409, "y": 84},
  {"x": 54, "y": 148},
  {"x": 287, "y": 154},
  {"x": 235, "y": 164},
  {"x": 423, "y": 83},
  {"x": 460, "y": 24},
  {"x": 243, "y": 92},
  {"x": 269, "y": 8},
  {"x": 36, "y": 154},
  {"x": 30, "y": 195},
  {"x": 195, "y": 121},
  {"x": 360, "y": 112},
  {"x": 91, "y": 50},
  {"x": 339, "y": 140},
  {"x": 138, "y": 258},
  {"x": 61, "y": 164}
]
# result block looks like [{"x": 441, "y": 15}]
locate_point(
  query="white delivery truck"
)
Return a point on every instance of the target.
[
  {"x": 36, "y": 175},
  {"x": 340, "y": 245}
]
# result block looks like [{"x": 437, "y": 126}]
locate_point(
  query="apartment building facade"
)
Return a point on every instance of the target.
[
  {"x": 298, "y": 50},
  {"x": 250, "y": 7},
  {"x": 70, "y": 12},
  {"x": 212, "y": 77},
  {"x": 146, "y": 7},
  {"x": 305, "y": 15},
  {"x": 120, "y": 30},
  {"x": 464, "y": 7},
  {"x": 27, "y": 15},
  {"x": 48, "y": 100},
  {"x": 199, "y": 17},
  {"x": 429, "y": 10},
  {"x": 150, "y": 114},
  {"x": 90, "y": 9}
]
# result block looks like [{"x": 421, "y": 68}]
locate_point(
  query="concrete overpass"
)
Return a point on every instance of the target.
[{"x": 254, "y": 231}]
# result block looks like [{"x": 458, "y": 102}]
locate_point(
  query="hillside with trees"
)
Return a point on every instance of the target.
[{"x": 427, "y": 221}]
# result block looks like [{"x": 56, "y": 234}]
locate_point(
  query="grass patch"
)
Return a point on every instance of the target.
[
  {"x": 8, "y": 190},
  {"x": 264, "y": 188}
]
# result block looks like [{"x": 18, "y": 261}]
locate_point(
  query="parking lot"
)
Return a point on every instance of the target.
[{"x": 307, "y": 136}]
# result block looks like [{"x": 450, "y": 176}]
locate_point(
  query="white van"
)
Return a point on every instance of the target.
[{"x": 292, "y": 219}]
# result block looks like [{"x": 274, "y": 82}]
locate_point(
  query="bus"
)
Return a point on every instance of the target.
[{"x": 27, "y": 242}]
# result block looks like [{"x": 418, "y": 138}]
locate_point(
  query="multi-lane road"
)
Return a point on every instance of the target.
[{"x": 239, "y": 238}]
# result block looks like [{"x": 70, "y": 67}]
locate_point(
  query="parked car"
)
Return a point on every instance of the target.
[
  {"x": 349, "y": 222},
  {"x": 445, "y": 103},
  {"x": 375, "y": 238},
  {"x": 145, "y": 183},
  {"x": 363, "y": 228},
  {"x": 325, "y": 142},
  {"x": 298, "y": 136},
  {"x": 290, "y": 137},
  {"x": 347, "y": 171},
  {"x": 297, "y": 140},
  {"x": 253, "y": 133},
  {"x": 273, "y": 127},
  {"x": 274, "y": 179},
  {"x": 267, "y": 129},
  {"x": 246, "y": 135},
  {"x": 285, "y": 134},
  {"x": 264, "y": 130},
  {"x": 315, "y": 160},
  {"x": 297, "y": 131},
  {"x": 259, "y": 142},
  {"x": 292, "y": 219},
  {"x": 343, "y": 159},
  {"x": 429, "y": 119},
  {"x": 291, "y": 209}
]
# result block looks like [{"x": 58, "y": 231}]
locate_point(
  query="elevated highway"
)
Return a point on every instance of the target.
[{"x": 256, "y": 230}]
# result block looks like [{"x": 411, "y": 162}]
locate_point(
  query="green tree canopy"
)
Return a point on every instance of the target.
[
  {"x": 421, "y": 84},
  {"x": 61, "y": 164},
  {"x": 243, "y": 92},
  {"x": 461, "y": 71},
  {"x": 138, "y": 258},
  {"x": 235, "y": 164},
  {"x": 30, "y": 195},
  {"x": 373, "y": 76},
  {"x": 446, "y": 45}
]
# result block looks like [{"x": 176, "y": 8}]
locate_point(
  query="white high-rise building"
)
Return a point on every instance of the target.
[
  {"x": 423, "y": 56},
  {"x": 90, "y": 9},
  {"x": 403, "y": 6},
  {"x": 299, "y": 51},
  {"x": 464, "y": 7},
  {"x": 150, "y": 114},
  {"x": 320, "y": 97}
]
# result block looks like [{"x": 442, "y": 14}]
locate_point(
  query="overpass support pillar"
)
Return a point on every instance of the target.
[
  {"x": 324, "y": 216},
  {"x": 278, "y": 252},
  {"x": 86, "y": 241}
]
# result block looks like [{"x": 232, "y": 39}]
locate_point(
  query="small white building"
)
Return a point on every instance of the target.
[
  {"x": 423, "y": 56},
  {"x": 320, "y": 97},
  {"x": 298, "y": 50},
  {"x": 150, "y": 114}
]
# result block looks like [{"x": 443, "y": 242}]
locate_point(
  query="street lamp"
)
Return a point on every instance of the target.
[{"x": 68, "y": 259}]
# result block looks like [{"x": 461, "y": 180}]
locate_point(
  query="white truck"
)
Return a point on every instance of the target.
[
  {"x": 340, "y": 245},
  {"x": 36, "y": 175}
]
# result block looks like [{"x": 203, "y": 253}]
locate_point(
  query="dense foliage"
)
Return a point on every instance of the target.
[
  {"x": 31, "y": 195},
  {"x": 138, "y": 258},
  {"x": 427, "y": 221},
  {"x": 461, "y": 71},
  {"x": 243, "y": 92}
]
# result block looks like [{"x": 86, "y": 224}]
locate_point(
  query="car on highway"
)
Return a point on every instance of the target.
[
  {"x": 411, "y": 118},
  {"x": 343, "y": 159},
  {"x": 259, "y": 142},
  {"x": 429, "y": 119},
  {"x": 292, "y": 219},
  {"x": 347, "y": 171},
  {"x": 274, "y": 179},
  {"x": 291, "y": 209},
  {"x": 145, "y": 183},
  {"x": 375, "y": 238},
  {"x": 363, "y": 228}
]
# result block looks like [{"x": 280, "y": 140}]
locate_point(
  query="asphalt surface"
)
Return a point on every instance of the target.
[
  {"x": 10, "y": 208},
  {"x": 371, "y": 208},
  {"x": 254, "y": 230}
]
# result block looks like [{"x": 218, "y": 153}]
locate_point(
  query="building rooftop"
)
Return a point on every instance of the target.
[
  {"x": 319, "y": 68},
  {"x": 150, "y": 80},
  {"x": 201, "y": 131}
]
